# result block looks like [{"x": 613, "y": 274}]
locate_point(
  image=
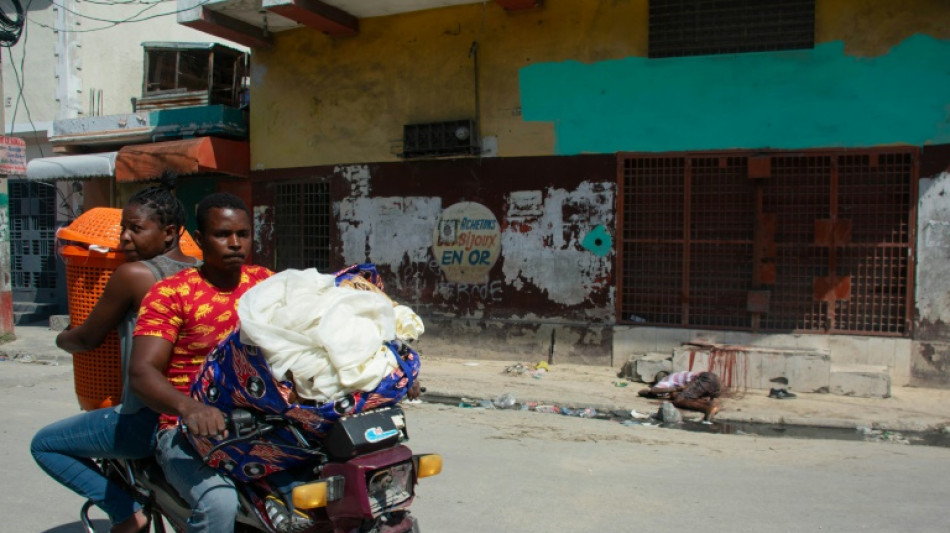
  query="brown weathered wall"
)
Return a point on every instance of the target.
[{"x": 542, "y": 277}]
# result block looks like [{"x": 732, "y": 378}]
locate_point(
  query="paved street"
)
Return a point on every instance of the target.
[{"x": 512, "y": 471}]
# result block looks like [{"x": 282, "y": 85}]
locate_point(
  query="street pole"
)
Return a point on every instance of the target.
[{"x": 6, "y": 289}]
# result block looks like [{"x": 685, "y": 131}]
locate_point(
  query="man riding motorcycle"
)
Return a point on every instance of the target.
[{"x": 181, "y": 319}]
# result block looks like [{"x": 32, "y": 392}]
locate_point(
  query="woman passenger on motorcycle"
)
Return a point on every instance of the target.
[{"x": 152, "y": 224}]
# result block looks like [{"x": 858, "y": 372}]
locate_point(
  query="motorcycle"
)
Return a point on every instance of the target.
[{"x": 362, "y": 479}]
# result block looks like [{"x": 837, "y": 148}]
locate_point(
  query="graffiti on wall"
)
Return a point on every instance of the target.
[
  {"x": 466, "y": 242},
  {"x": 465, "y": 293}
]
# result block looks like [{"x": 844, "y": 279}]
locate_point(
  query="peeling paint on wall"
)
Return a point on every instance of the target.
[
  {"x": 542, "y": 241},
  {"x": 933, "y": 252},
  {"x": 387, "y": 231},
  {"x": 357, "y": 176},
  {"x": 263, "y": 227}
]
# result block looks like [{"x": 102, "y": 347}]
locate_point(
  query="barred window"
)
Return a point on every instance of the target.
[
  {"x": 302, "y": 225},
  {"x": 700, "y": 27}
]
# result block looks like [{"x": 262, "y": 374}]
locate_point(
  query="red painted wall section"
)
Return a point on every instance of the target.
[{"x": 6, "y": 312}]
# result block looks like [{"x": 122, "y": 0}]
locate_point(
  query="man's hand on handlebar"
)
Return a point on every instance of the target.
[{"x": 205, "y": 421}]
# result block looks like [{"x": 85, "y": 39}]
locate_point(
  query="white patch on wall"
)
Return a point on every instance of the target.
[
  {"x": 389, "y": 229},
  {"x": 263, "y": 227},
  {"x": 358, "y": 177},
  {"x": 541, "y": 243},
  {"x": 933, "y": 249}
]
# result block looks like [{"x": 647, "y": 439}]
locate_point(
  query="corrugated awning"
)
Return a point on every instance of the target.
[
  {"x": 72, "y": 167},
  {"x": 143, "y": 162}
]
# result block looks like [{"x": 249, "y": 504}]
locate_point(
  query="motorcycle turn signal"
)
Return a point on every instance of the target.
[
  {"x": 318, "y": 494},
  {"x": 427, "y": 465}
]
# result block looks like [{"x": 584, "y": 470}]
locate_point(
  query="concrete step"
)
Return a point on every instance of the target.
[
  {"x": 32, "y": 307},
  {"x": 864, "y": 381},
  {"x": 30, "y": 312}
]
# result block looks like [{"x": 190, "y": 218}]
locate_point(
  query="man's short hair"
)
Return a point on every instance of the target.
[{"x": 219, "y": 200}]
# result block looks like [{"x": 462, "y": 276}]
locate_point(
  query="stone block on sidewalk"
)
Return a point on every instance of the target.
[
  {"x": 644, "y": 366},
  {"x": 58, "y": 322},
  {"x": 863, "y": 381},
  {"x": 649, "y": 367}
]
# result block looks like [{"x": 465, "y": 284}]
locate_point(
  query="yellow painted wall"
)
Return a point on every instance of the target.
[
  {"x": 318, "y": 100},
  {"x": 872, "y": 27}
]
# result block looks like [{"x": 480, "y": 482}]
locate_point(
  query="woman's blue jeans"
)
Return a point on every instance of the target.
[{"x": 65, "y": 450}]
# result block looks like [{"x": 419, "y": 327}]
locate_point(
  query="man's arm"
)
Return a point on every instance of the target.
[{"x": 150, "y": 357}]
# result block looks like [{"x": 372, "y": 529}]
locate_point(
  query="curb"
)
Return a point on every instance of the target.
[{"x": 448, "y": 398}]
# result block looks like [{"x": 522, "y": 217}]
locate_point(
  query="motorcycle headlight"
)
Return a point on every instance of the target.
[{"x": 389, "y": 487}]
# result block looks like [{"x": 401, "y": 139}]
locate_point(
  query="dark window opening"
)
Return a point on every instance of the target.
[{"x": 700, "y": 27}]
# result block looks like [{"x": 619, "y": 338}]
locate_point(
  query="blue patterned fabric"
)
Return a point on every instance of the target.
[{"x": 238, "y": 376}]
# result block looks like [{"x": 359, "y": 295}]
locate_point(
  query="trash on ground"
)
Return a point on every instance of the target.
[
  {"x": 470, "y": 363},
  {"x": 504, "y": 401},
  {"x": 518, "y": 369},
  {"x": 669, "y": 414},
  {"x": 882, "y": 435},
  {"x": 781, "y": 394}
]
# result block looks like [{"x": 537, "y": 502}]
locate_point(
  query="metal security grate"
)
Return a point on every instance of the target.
[
  {"x": 32, "y": 230},
  {"x": 302, "y": 225},
  {"x": 820, "y": 241},
  {"x": 653, "y": 222},
  {"x": 698, "y": 27},
  {"x": 720, "y": 241}
]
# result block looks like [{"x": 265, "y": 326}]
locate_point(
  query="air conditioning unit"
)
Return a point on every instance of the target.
[{"x": 454, "y": 137}]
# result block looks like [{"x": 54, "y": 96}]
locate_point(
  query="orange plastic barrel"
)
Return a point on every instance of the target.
[{"x": 89, "y": 247}]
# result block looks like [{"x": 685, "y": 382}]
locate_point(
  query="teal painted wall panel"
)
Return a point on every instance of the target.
[{"x": 797, "y": 99}]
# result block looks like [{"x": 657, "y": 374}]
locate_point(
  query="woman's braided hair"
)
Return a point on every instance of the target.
[{"x": 167, "y": 209}]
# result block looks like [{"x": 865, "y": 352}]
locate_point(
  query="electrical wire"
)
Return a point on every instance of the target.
[
  {"x": 20, "y": 82},
  {"x": 113, "y": 23},
  {"x": 11, "y": 28}
]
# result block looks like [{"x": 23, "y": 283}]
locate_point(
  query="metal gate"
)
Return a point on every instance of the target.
[
  {"x": 302, "y": 225},
  {"x": 32, "y": 233},
  {"x": 816, "y": 241}
]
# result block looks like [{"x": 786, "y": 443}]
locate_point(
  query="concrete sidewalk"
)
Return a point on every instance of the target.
[{"x": 453, "y": 380}]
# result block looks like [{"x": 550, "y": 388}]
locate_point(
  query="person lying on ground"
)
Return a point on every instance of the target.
[
  {"x": 151, "y": 226},
  {"x": 700, "y": 394},
  {"x": 665, "y": 383},
  {"x": 694, "y": 391}
]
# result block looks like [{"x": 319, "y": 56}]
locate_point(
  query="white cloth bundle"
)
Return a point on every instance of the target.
[{"x": 329, "y": 338}]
